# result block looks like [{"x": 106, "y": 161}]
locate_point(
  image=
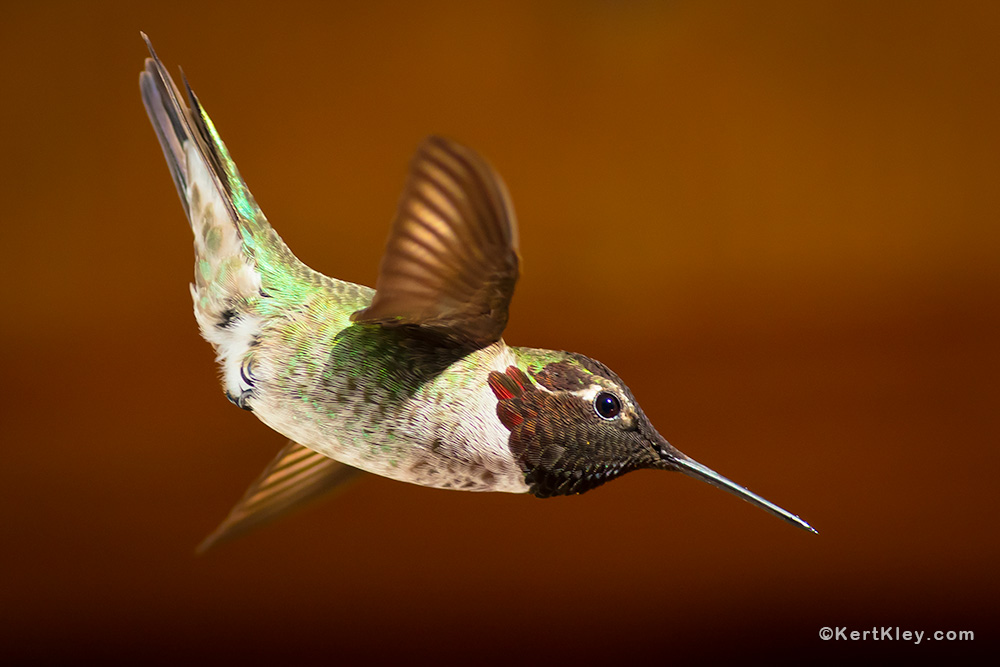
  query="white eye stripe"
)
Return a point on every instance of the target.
[{"x": 590, "y": 393}]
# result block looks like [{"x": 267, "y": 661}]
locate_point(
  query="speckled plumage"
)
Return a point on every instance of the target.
[
  {"x": 412, "y": 380},
  {"x": 394, "y": 401}
]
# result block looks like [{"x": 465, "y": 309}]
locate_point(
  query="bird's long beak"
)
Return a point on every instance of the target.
[{"x": 675, "y": 460}]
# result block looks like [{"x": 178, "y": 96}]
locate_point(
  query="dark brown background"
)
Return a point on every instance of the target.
[{"x": 777, "y": 221}]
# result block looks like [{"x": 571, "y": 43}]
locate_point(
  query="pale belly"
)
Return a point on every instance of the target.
[{"x": 394, "y": 418}]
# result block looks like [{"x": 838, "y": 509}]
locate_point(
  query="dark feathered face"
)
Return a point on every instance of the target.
[{"x": 575, "y": 426}]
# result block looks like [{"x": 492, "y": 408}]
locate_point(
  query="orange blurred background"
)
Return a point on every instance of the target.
[{"x": 777, "y": 221}]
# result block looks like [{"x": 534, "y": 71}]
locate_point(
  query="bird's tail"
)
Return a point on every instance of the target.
[{"x": 236, "y": 252}]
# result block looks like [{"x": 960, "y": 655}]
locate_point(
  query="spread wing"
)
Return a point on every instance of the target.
[
  {"x": 451, "y": 261},
  {"x": 296, "y": 476}
]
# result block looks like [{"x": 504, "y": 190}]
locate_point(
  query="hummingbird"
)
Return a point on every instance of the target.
[{"x": 411, "y": 380}]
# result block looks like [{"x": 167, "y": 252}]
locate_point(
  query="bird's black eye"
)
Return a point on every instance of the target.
[{"x": 607, "y": 405}]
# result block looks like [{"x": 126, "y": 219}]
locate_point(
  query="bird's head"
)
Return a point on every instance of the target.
[{"x": 574, "y": 425}]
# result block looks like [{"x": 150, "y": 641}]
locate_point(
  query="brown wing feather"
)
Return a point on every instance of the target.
[
  {"x": 295, "y": 476},
  {"x": 451, "y": 261}
]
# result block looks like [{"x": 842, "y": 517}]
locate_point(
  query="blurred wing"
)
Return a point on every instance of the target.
[
  {"x": 451, "y": 261},
  {"x": 295, "y": 477}
]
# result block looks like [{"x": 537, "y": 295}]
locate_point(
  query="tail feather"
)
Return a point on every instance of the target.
[
  {"x": 224, "y": 218},
  {"x": 244, "y": 272},
  {"x": 181, "y": 128},
  {"x": 169, "y": 127}
]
